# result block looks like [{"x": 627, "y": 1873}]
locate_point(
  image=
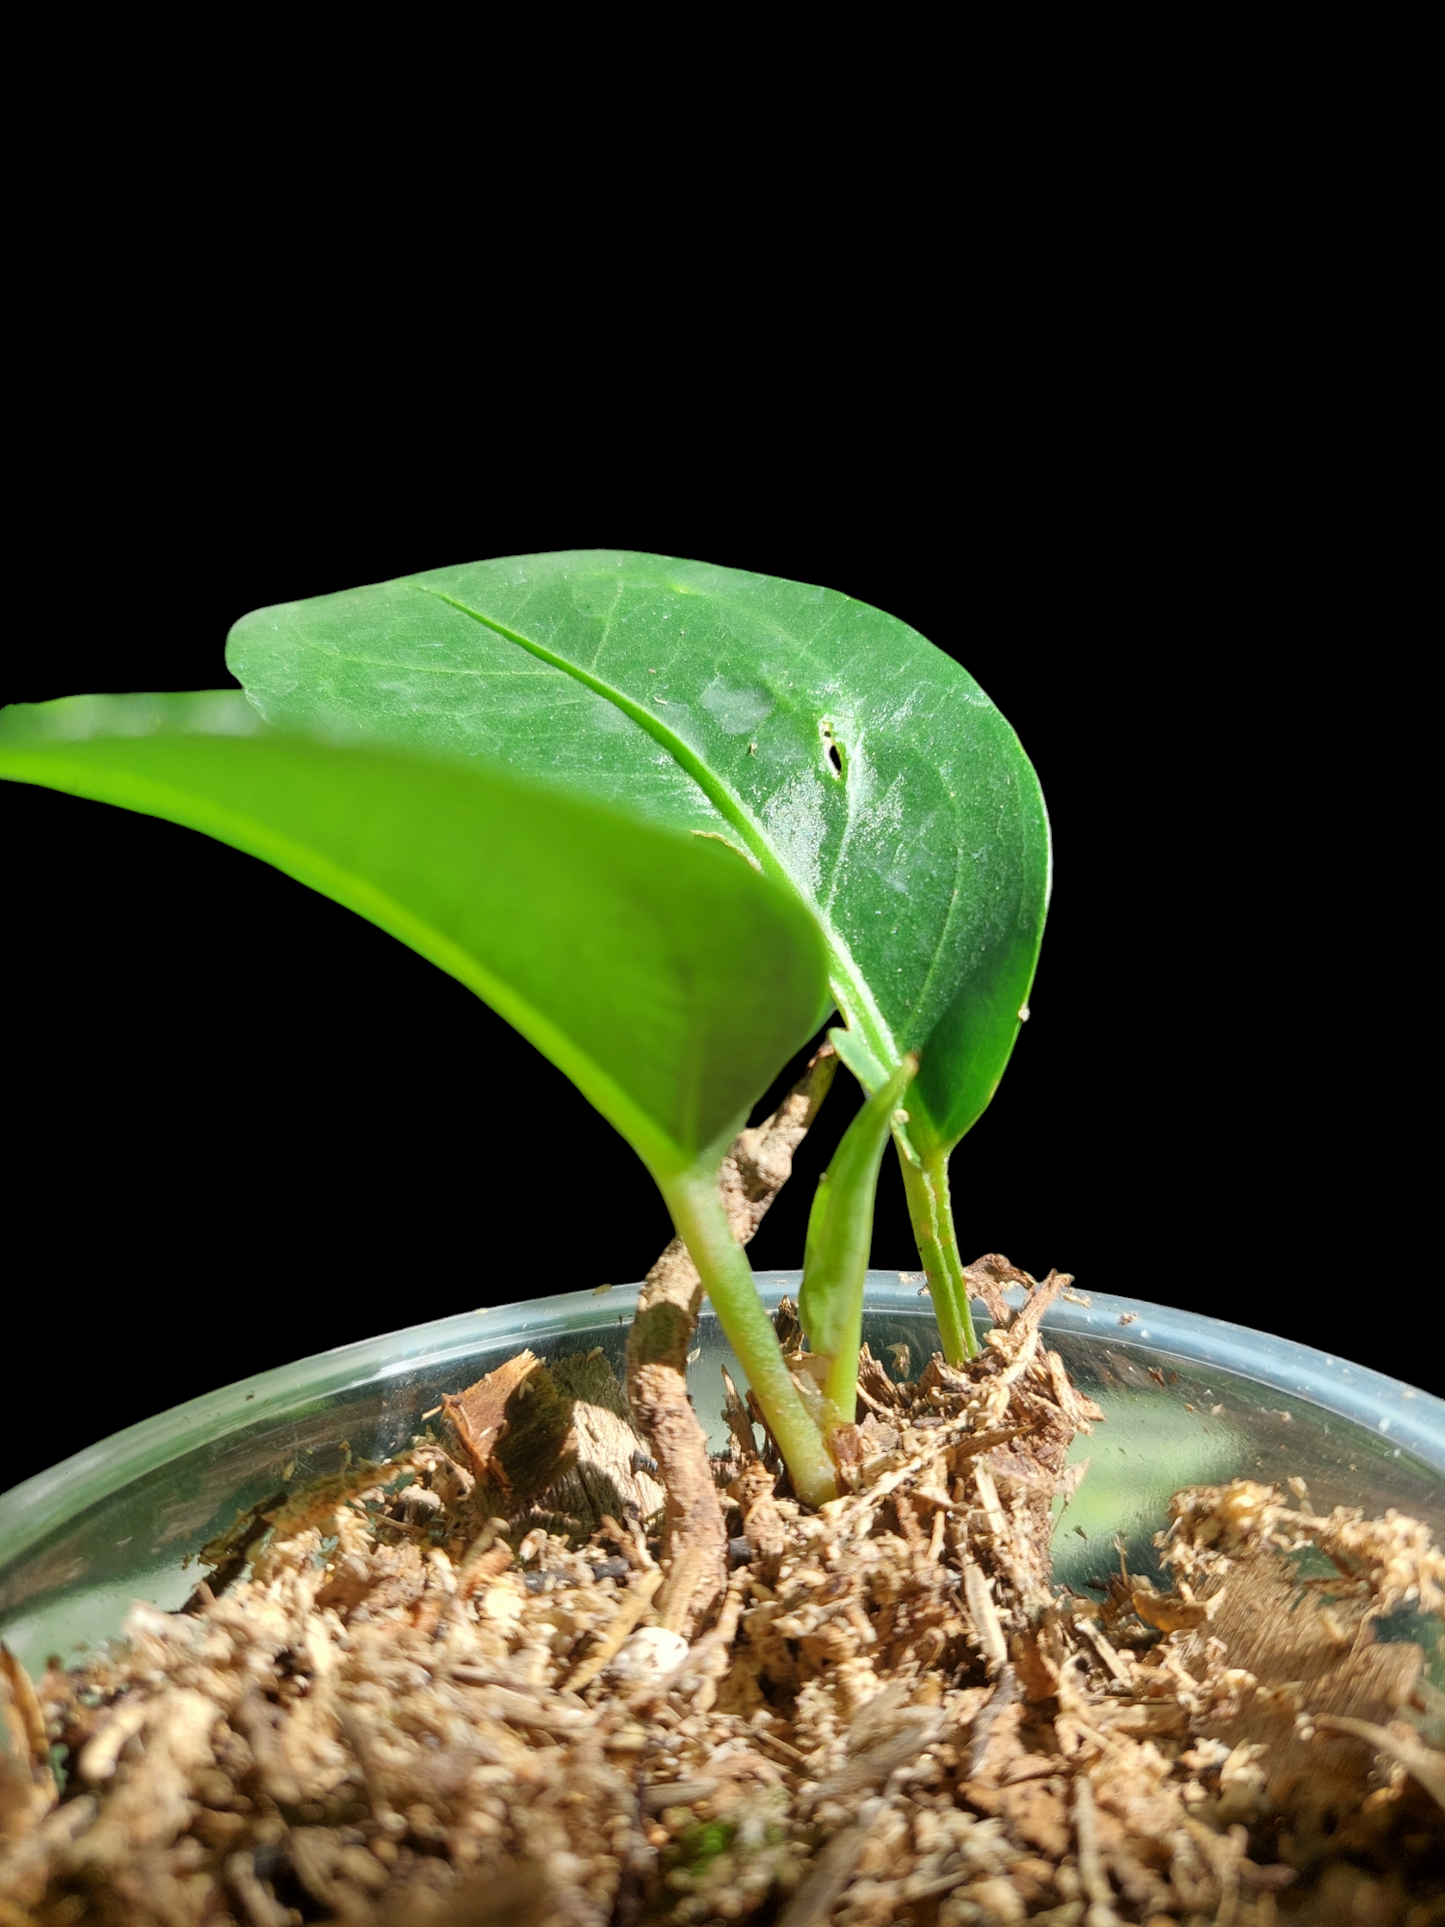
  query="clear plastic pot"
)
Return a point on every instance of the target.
[{"x": 1189, "y": 1400}]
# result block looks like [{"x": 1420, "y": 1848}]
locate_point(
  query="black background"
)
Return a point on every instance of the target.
[{"x": 243, "y": 1125}]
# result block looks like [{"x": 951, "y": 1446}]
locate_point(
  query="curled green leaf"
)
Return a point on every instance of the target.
[{"x": 666, "y": 978}]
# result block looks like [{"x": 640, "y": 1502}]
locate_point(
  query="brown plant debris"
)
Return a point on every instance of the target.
[
  {"x": 552, "y": 1443},
  {"x": 479, "y": 1415},
  {"x": 413, "y": 1711}
]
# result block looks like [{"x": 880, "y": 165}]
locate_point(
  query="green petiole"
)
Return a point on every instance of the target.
[
  {"x": 840, "y": 1232},
  {"x": 701, "y": 1220},
  {"x": 925, "y": 1183}
]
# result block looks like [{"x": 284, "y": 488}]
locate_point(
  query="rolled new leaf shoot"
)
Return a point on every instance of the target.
[
  {"x": 925, "y": 1185},
  {"x": 840, "y": 1234}
]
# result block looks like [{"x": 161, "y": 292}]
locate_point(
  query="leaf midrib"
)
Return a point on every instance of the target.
[{"x": 856, "y": 999}]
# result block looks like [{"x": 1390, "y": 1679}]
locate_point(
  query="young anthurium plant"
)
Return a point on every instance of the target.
[{"x": 662, "y": 817}]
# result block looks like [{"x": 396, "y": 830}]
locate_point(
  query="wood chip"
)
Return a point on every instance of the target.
[
  {"x": 992, "y": 1643},
  {"x": 830, "y": 1872},
  {"x": 479, "y": 1414},
  {"x": 1092, "y": 1876},
  {"x": 633, "y": 1604}
]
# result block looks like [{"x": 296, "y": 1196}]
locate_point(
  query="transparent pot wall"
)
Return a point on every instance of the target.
[{"x": 1189, "y": 1401}]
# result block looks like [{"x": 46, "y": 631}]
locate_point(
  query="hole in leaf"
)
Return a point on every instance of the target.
[{"x": 831, "y": 750}]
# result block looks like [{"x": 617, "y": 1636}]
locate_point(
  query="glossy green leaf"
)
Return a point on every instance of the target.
[
  {"x": 841, "y": 750},
  {"x": 660, "y": 971}
]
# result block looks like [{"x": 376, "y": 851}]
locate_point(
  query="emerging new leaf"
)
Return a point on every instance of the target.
[{"x": 840, "y": 1233}]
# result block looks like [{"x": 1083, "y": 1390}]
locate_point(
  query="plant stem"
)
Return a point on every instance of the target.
[
  {"x": 697, "y": 1211},
  {"x": 931, "y": 1209},
  {"x": 937, "y": 1167},
  {"x": 840, "y": 1234},
  {"x": 840, "y": 1389}
]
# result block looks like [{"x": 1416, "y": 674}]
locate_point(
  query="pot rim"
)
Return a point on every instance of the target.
[{"x": 1411, "y": 1419}]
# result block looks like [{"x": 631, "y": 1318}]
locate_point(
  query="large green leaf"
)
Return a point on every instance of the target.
[
  {"x": 850, "y": 757},
  {"x": 660, "y": 971}
]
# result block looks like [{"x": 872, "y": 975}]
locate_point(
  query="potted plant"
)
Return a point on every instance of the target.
[{"x": 663, "y": 818}]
